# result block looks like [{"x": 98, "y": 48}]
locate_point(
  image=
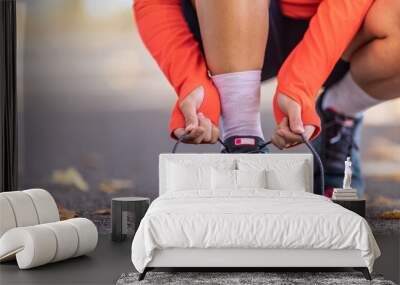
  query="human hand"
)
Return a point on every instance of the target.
[
  {"x": 199, "y": 128},
  {"x": 287, "y": 133}
]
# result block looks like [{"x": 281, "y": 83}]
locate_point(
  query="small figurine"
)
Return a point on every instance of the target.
[
  {"x": 347, "y": 174},
  {"x": 346, "y": 192}
]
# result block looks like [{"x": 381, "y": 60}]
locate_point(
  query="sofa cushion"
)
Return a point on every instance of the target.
[
  {"x": 45, "y": 205},
  {"x": 7, "y": 220},
  {"x": 23, "y": 208}
]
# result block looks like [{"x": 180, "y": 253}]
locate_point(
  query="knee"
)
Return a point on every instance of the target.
[
  {"x": 383, "y": 19},
  {"x": 378, "y": 59},
  {"x": 382, "y": 24}
]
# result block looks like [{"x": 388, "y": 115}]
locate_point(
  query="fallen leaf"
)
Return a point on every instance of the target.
[
  {"x": 105, "y": 212},
  {"x": 395, "y": 214},
  {"x": 115, "y": 185},
  {"x": 70, "y": 177},
  {"x": 382, "y": 201},
  {"x": 66, "y": 214}
]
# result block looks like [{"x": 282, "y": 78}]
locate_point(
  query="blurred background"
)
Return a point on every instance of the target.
[{"x": 94, "y": 111}]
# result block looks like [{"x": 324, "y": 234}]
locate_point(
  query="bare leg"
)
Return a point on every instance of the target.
[
  {"x": 374, "y": 57},
  {"x": 234, "y": 33},
  {"x": 375, "y": 52}
]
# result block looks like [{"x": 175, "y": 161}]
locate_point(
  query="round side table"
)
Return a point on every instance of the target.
[{"x": 120, "y": 207}]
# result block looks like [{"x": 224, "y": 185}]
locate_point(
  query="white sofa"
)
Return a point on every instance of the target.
[{"x": 31, "y": 231}]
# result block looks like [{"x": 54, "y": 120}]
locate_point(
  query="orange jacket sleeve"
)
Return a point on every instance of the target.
[
  {"x": 167, "y": 36},
  {"x": 330, "y": 31}
]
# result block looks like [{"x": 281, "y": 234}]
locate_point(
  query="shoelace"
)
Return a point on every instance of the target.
[
  {"x": 306, "y": 142},
  {"x": 184, "y": 136}
]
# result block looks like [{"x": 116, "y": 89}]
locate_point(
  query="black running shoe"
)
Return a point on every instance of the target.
[
  {"x": 339, "y": 139},
  {"x": 245, "y": 144}
]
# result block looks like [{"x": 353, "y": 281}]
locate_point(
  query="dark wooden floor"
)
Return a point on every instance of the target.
[{"x": 110, "y": 259}]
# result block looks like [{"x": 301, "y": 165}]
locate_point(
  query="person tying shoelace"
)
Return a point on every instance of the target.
[{"x": 216, "y": 53}]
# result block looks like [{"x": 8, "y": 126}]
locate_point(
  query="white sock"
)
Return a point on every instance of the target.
[
  {"x": 347, "y": 98},
  {"x": 240, "y": 103}
]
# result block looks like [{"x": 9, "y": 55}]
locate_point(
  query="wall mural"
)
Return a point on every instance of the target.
[{"x": 94, "y": 111}]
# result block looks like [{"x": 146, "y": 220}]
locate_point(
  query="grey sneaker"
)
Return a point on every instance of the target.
[{"x": 339, "y": 138}]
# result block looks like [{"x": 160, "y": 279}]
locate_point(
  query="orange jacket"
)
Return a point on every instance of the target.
[{"x": 333, "y": 24}]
